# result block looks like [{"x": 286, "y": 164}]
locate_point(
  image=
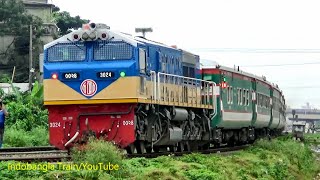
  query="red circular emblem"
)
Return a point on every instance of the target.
[{"x": 88, "y": 87}]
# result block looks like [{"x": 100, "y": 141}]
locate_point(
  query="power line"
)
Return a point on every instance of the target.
[
  {"x": 301, "y": 87},
  {"x": 253, "y": 50},
  {"x": 297, "y": 64}
]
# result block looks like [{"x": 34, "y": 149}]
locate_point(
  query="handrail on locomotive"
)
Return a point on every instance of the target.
[{"x": 206, "y": 89}]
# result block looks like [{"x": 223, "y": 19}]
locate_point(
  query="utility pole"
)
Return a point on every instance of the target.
[
  {"x": 144, "y": 30},
  {"x": 30, "y": 59}
]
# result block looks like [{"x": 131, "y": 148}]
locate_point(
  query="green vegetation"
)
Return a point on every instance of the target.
[
  {"x": 313, "y": 139},
  {"x": 65, "y": 21},
  {"x": 27, "y": 121},
  {"x": 15, "y": 22},
  {"x": 281, "y": 158}
]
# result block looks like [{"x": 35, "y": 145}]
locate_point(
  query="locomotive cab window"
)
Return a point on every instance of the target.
[{"x": 66, "y": 52}]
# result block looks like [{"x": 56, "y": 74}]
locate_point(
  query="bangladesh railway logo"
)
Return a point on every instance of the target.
[{"x": 88, "y": 87}]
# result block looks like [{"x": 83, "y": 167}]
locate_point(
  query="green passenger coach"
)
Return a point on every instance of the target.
[{"x": 248, "y": 105}]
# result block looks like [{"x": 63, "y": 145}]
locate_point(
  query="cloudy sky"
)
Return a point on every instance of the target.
[{"x": 277, "y": 39}]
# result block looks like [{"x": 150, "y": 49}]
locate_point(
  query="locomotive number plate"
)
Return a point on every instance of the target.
[
  {"x": 128, "y": 123},
  {"x": 55, "y": 124},
  {"x": 71, "y": 75},
  {"x": 105, "y": 74}
]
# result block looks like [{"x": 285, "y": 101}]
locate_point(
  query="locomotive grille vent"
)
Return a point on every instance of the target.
[{"x": 112, "y": 51}]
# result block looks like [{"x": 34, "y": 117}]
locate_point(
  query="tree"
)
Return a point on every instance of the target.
[
  {"x": 66, "y": 22},
  {"x": 15, "y": 22}
]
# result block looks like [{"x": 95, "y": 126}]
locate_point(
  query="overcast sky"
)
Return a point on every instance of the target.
[{"x": 254, "y": 35}]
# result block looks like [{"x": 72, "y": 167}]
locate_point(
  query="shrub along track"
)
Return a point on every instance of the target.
[{"x": 51, "y": 154}]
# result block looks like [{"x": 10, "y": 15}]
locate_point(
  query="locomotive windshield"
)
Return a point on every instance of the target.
[
  {"x": 67, "y": 52},
  {"x": 112, "y": 51}
]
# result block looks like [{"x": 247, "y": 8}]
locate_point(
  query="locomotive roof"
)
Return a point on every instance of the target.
[
  {"x": 114, "y": 35},
  {"x": 262, "y": 79},
  {"x": 144, "y": 40}
]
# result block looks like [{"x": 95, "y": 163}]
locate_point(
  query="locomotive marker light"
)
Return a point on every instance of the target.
[
  {"x": 54, "y": 76},
  {"x": 224, "y": 83},
  {"x": 103, "y": 35},
  {"x": 122, "y": 74},
  {"x": 76, "y": 37}
]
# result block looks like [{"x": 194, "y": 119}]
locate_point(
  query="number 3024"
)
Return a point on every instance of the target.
[{"x": 55, "y": 124}]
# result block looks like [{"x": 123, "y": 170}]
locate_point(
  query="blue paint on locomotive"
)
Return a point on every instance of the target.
[
  {"x": 87, "y": 59},
  {"x": 88, "y": 67}
]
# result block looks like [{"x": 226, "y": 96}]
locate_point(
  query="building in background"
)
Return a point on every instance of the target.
[{"x": 44, "y": 10}]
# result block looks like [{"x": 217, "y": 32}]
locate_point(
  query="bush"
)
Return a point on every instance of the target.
[
  {"x": 15, "y": 137},
  {"x": 100, "y": 151}
]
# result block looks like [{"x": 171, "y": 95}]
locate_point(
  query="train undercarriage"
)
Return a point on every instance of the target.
[{"x": 176, "y": 129}]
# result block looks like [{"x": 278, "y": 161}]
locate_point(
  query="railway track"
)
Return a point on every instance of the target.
[
  {"x": 29, "y": 154},
  {"x": 28, "y": 149},
  {"x": 51, "y": 154},
  {"x": 222, "y": 150}
]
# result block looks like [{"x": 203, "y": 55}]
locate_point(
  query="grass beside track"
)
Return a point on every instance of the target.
[{"x": 281, "y": 158}]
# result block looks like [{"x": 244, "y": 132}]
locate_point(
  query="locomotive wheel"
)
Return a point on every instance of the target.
[
  {"x": 180, "y": 147},
  {"x": 173, "y": 148},
  {"x": 141, "y": 149},
  {"x": 156, "y": 149},
  {"x": 206, "y": 146},
  {"x": 149, "y": 149},
  {"x": 130, "y": 149}
]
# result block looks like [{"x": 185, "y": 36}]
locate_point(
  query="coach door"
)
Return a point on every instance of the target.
[{"x": 254, "y": 100}]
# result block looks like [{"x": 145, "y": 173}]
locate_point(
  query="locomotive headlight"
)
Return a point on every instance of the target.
[
  {"x": 93, "y": 35},
  {"x": 85, "y": 36}
]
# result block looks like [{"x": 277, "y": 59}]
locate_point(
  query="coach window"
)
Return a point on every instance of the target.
[
  {"x": 231, "y": 95},
  {"x": 244, "y": 97},
  {"x": 227, "y": 95},
  {"x": 248, "y": 97},
  {"x": 240, "y": 97},
  {"x": 142, "y": 60}
]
